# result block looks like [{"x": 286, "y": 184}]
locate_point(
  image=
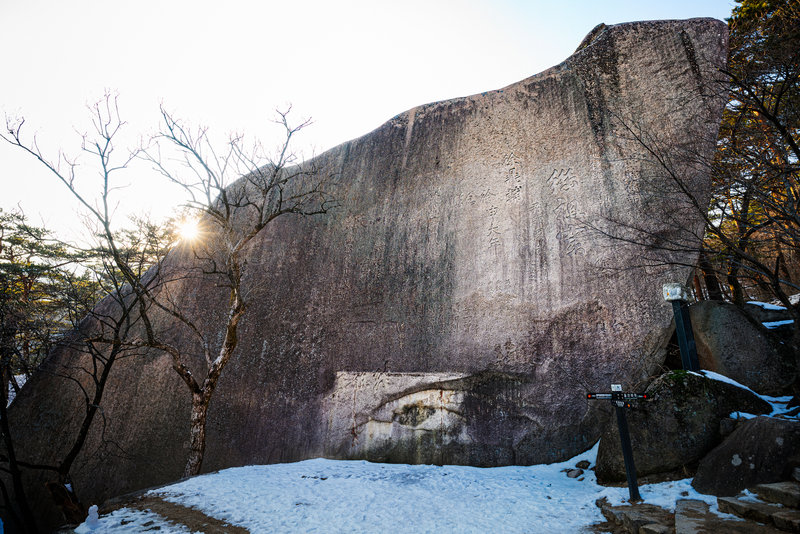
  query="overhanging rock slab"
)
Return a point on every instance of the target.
[{"x": 454, "y": 306}]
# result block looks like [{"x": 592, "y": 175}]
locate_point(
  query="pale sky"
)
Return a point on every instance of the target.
[{"x": 349, "y": 65}]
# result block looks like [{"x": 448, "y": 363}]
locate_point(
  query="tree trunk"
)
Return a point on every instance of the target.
[
  {"x": 28, "y": 521},
  {"x": 92, "y": 407},
  {"x": 710, "y": 278},
  {"x": 737, "y": 293},
  {"x": 197, "y": 434},
  {"x": 698, "y": 289}
]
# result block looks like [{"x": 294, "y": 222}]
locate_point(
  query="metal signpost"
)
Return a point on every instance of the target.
[
  {"x": 621, "y": 401},
  {"x": 678, "y": 295}
]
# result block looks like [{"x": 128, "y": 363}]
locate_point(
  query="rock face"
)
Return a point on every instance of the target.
[
  {"x": 450, "y": 308},
  {"x": 729, "y": 344},
  {"x": 677, "y": 428},
  {"x": 761, "y": 450}
]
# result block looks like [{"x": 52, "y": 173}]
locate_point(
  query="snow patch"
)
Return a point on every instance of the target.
[
  {"x": 779, "y": 404},
  {"x": 127, "y": 521},
  {"x": 357, "y": 496},
  {"x": 775, "y": 324},
  {"x": 722, "y": 378}
]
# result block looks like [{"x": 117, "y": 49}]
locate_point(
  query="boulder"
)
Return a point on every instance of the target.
[
  {"x": 449, "y": 308},
  {"x": 677, "y": 427},
  {"x": 761, "y": 450},
  {"x": 730, "y": 344}
]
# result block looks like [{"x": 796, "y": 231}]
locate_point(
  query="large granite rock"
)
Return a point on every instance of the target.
[
  {"x": 456, "y": 304},
  {"x": 677, "y": 427},
  {"x": 730, "y": 344}
]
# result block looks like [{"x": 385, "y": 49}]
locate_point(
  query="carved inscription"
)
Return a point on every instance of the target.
[
  {"x": 537, "y": 241},
  {"x": 494, "y": 232},
  {"x": 568, "y": 215},
  {"x": 570, "y": 239},
  {"x": 567, "y": 209},
  {"x": 562, "y": 180},
  {"x": 512, "y": 178}
]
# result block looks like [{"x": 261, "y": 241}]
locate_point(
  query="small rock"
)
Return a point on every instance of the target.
[
  {"x": 575, "y": 473},
  {"x": 583, "y": 464}
]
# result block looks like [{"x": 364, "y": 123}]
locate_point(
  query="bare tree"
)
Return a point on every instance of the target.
[
  {"x": 236, "y": 193},
  {"x": 120, "y": 269},
  {"x": 749, "y": 242}
]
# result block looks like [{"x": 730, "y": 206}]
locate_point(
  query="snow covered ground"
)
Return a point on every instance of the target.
[{"x": 356, "y": 496}]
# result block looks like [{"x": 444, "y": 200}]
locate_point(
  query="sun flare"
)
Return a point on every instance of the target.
[{"x": 188, "y": 230}]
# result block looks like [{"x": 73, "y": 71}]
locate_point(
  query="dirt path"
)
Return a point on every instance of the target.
[{"x": 194, "y": 520}]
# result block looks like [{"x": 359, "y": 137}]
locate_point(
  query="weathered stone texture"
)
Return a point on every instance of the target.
[
  {"x": 453, "y": 306},
  {"x": 760, "y": 451},
  {"x": 677, "y": 427},
  {"x": 730, "y": 344}
]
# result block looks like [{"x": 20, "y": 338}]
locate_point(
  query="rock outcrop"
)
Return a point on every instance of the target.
[
  {"x": 677, "y": 427},
  {"x": 460, "y": 299},
  {"x": 761, "y": 450},
  {"x": 730, "y": 344}
]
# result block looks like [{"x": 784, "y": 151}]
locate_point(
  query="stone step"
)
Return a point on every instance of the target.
[
  {"x": 637, "y": 518},
  {"x": 788, "y": 520},
  {"x": 755, "y": 510},
  {"x": 655, "y": 528},
  {"x": 785, "y": 493},
  {"x": 693, "y": 517}
]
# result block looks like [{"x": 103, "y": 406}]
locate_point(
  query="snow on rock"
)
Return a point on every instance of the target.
[
  {"x": 776, "y": 324},
  {"x": 766, "y": 305},
  {"x": 742, "y": 415},
  {"x": 722, "y": 378},
  {"x": 357, "y": 496},
  {"x": 779, "y": 404}
]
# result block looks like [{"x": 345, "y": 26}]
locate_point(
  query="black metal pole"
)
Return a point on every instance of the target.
[
  {"x": 683, "y": 329},
  {"x": 627, "y": 454}
]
